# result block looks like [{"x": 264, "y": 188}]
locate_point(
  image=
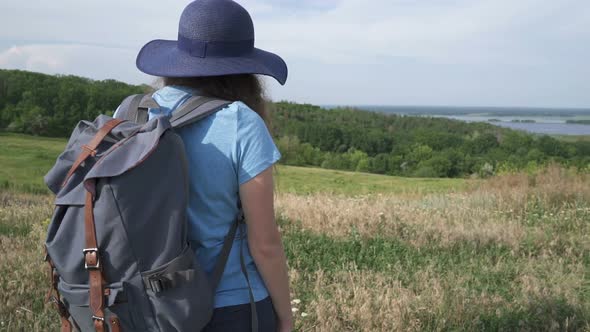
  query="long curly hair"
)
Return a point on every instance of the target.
[{"x": 247, "y": 88}]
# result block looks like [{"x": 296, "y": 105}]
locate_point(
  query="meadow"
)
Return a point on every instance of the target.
[{"x": 368, "y": 252}]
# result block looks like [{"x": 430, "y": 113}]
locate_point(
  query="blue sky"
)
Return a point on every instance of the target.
[{"x": 388, "y": 52}]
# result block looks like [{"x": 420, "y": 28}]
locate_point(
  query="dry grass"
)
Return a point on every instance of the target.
[
  {"x": 357, "y": 300},
  {"x": 504, "y": 210},
  {"x": 445, "y": 219},
  {"x": 554, "y": 188},
  {"x": 23, "y": 278}
]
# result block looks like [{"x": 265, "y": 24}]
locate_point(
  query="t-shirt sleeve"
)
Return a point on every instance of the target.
[{"x": 256, "y": 151}]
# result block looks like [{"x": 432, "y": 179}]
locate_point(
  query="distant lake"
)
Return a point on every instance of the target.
[
  {"x": 542, "y": 125},
  {"x": 550, "y": 121}
]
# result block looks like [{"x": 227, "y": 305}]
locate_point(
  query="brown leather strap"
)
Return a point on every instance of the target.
[
  {"x": 66, "y": 325},
  {"x": 96, "y": 281},
  {"x": 90, "y": 149},
  {"x": 53, "y": 297},
  {"x": 92, "y": 263},
  {"x": 98, "y": 324}
]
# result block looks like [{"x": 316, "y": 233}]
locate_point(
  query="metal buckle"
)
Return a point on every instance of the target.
[
  {"x": 53, "y": 299},
  {"x": 61, "y": 308},
  {"x": 158, "y": 284},
  {"x": 91, "y": 267},
  {"x": 97, "y": 318}
]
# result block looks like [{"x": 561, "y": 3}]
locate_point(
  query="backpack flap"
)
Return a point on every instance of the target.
[
  {"x": 131, "y": 151},
  {"x": 81, "y": 136},
  {"x": 117, "y": 154}
]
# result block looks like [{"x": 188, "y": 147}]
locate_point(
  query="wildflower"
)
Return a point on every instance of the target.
[
  {"x": 303, "y": 314},
  {"x": 296, "y": 301},
  {"x": 294, "y": 309}
]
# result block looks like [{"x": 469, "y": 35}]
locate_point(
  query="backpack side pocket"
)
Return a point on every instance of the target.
[{"x": 180, "y": 293}]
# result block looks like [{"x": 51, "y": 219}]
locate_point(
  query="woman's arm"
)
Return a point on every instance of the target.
[{"x": 265, "y": 243}]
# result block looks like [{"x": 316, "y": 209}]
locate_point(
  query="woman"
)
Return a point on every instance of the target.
[{"x": 230, "y": 155}]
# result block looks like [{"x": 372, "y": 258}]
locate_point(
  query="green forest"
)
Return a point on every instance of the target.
[
  {"x": 45, "y": 105},
  {"x": 307, "y": 135}
]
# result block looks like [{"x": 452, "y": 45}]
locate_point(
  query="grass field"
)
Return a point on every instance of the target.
[
  {"x": 368, "y": 252},
  {"x": 24, "y": 160}
]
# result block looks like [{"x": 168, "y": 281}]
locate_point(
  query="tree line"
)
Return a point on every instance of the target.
[
  {"x": 46, "y": 105},
  {"x": 307, "y": 135},
  {"x": 349, "y": 139}
]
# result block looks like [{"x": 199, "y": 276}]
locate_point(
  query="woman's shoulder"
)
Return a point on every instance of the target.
[
  {"x": 240, "y": 108},
  {"x": 242, "y": 113}
]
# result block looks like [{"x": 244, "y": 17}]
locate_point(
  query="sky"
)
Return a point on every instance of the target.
[{"x": 533, "y": 53}]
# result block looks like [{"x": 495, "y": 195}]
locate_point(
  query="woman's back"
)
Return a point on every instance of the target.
[{"x": 224, "y": 151}]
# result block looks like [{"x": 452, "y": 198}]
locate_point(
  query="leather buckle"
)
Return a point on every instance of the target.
[
  {"x": 92, "y": 152},
  {"x": 88, "y": 266}
]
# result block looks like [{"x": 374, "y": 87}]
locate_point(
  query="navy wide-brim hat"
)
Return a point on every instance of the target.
[{"x": 215, "y": 38}]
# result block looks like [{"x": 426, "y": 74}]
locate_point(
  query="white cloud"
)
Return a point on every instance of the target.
[
  {"x": 21, "y": 57},
  {"x": 89, "y": 61}
]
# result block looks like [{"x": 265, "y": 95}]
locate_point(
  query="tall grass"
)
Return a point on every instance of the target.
[
  {"x": 511, "y": 253},
  {"x": 23, "y": 276}
]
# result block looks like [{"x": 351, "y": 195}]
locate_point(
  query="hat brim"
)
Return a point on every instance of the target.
[{"x": 163, "y": 58}]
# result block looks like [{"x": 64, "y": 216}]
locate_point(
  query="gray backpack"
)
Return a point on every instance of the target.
[{"x": 117, "y": 248}]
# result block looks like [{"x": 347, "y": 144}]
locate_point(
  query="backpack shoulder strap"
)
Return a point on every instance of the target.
[
  {"x": 215, "y": 276},
  {"x": 195, "y": 109},
  {"x": 135, "y": 108}
]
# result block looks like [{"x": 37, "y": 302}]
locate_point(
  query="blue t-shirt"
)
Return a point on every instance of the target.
[{"x": 224, "y": 150}]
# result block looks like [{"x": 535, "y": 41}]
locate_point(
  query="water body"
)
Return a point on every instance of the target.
[
  {"x": 541, "y": 125},
  {"x": 549, "y": 128},
  {"x": 550, "y": 121}
]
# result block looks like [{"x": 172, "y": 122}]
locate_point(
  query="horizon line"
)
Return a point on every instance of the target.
[{"x": 565, "y": 108}]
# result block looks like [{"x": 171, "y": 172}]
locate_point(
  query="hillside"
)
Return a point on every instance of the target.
[
  {"x": 25, "y": 159},
  {"x": 307, "y": 135},
  {"x": 350, "y": 139}
]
